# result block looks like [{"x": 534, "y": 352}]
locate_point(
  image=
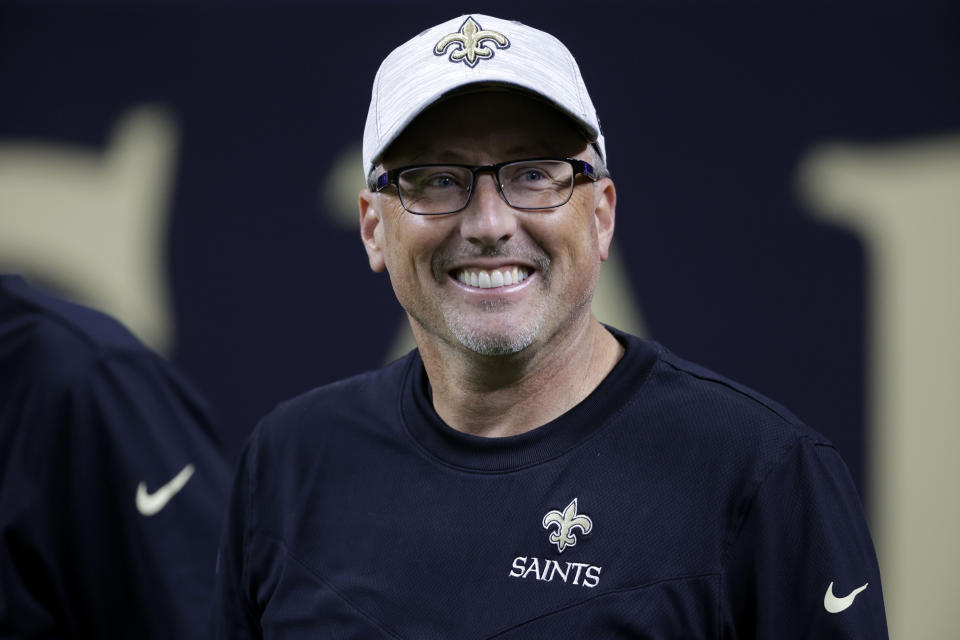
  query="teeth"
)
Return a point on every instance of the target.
[{"x": 483, "y": 279}]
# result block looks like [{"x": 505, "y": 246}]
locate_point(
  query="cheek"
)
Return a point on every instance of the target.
[
  {"x": 411, "y": 242},
  {"x": 571, "y": 239}
]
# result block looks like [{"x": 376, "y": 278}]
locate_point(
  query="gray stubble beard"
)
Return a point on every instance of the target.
[{"x": 499, "y": 345}]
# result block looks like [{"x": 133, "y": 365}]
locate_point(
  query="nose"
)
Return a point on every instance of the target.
[{"x": 488, "y": 220}]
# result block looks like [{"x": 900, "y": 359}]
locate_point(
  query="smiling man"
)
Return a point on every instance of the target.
[
  {"x": 497, "y": 265},
  {"x": 527, "y": 472}
]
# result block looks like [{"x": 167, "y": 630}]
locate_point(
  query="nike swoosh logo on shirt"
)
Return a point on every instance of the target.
[
  {"x": 833, "y": 604},
  {"x": 150, "y": 504}
]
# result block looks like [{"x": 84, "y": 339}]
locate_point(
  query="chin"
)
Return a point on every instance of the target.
[{"x": 496, "y": 343}]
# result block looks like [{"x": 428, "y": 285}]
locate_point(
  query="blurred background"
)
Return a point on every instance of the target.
[{"x": 789, "y": 206}]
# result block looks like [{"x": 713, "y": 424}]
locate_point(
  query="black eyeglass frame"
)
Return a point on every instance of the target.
[{"x": 580, "y": 167}]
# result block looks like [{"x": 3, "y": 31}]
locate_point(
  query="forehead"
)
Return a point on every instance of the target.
[{"x": 486, "y": 127}]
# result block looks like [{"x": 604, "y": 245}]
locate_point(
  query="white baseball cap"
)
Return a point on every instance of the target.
[{"x": 469, "y": 50}]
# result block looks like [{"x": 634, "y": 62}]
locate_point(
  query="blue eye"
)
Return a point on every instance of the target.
[{"x": 440, "y": 181}]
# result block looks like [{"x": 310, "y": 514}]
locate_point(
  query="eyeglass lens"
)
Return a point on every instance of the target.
[{"x": 538, "y": 184}]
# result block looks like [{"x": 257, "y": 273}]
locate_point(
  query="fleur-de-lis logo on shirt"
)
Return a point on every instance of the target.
[
  {"x": 468, "y": 43},
  {"x": 566, "y": 522}
]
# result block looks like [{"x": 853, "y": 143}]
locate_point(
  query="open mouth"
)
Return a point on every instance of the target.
[{"x": 491, "y": 278}]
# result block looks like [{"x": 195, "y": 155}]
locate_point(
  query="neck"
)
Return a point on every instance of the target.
[{"x": 496, "y": 396}]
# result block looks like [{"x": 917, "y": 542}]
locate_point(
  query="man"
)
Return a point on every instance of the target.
[
  {"x": 527, "y": 472},
  {"x": 112, "y": 485}
]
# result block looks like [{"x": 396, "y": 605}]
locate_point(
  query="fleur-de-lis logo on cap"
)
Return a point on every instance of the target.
[
  {"x": 566, "y": 522},
  {"x": 468, "y": 43}
]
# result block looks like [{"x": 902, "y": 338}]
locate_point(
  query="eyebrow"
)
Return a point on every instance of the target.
[{"x": 518, "y": 152}]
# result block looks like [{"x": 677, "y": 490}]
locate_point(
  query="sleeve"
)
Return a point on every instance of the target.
[
  {"x": 802, "y": 564},
  {"x": 234, "y": 614},
  {"x": 117, "y": 489}
]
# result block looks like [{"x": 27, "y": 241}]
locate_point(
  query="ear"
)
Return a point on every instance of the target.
[
  {"x": 371, "y": 229},
  {"x": 605, "y": 212}
]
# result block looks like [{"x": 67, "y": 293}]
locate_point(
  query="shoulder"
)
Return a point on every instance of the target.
[
  {"x": 314, "y": 443},
  {"x": 736, "y": 433},
  {"x": 70, "y": 368},
  {"x": 713, "y": 401},
  {"x": 44, "y": 337},
  {"x": 355, "y": 393},
  {"x": 353, "y": 407}
]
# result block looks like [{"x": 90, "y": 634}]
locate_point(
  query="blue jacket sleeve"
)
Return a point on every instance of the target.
[
  {"x": 111, "y": 497},
  {"x": 802, "y": 564}
]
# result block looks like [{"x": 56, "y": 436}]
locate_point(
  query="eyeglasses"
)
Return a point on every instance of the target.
[{"x": 437, "y": 189}]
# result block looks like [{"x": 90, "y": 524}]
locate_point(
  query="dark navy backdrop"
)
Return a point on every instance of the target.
[{"x": 707, "y": 110}]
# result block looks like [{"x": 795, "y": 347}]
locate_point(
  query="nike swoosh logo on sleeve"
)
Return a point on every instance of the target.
[
  {"x": 150, "y": 504},
  {"x": 833, "y": 604}
]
